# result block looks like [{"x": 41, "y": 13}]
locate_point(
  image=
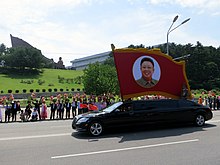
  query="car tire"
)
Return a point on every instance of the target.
[
  {"x": 95, "y": 128},
  {"x": 200, "y": 120}
]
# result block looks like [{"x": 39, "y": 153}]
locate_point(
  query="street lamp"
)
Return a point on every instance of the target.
[
  {"x": 170, "y": 30},
  {"x": 182, "y": 57}
]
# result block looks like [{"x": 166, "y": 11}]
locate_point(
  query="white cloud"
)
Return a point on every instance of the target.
[{"x": 198, "y": 4}]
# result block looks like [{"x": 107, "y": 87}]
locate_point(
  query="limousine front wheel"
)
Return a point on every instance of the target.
[
  {"x": 95, "y": 128},
  {"x": 200, "y": 120}
]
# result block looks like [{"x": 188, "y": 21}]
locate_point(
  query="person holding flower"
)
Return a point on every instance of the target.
[{"x": 44, "y": 111}]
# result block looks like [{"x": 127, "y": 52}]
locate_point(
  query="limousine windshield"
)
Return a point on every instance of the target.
[{"x": 112, "y": 107}]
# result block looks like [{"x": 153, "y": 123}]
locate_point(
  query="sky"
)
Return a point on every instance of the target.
[{"x": 74, "y": 29}]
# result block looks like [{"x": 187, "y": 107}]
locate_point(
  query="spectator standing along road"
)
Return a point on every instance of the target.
[
  {"x": 68, "y": 107},
  {"x": 1, "y": 106},
  {"x": 200, "y": 101},
  {"x": 44, "y": 111},
  {"x": 15, "y": 107},
  {"x": 28, "y": 110},
  {"x": 74, "y": 106},
  {"x": 210, "y": 101},
  {"x": 53, "y": 108},
  {"x": 7, "y": 112},
  {"x": 37, "y": 107}
]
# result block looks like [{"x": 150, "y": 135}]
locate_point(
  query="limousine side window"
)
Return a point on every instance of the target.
[
  {"x": 125, "y": 108},
  {"x": 187, "y": 103},
  {"x": 150, "y": 105},
  {"x": 167, "y": 104},
  {"x": 144, "y": 105}
]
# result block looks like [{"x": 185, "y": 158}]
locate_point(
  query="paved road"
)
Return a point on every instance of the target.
[{"x": 54, "y": 142}]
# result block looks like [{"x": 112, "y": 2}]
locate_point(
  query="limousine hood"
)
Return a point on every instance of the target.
[{"x": 90, "y": 114}]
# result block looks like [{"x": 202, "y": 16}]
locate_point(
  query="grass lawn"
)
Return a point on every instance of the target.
[{"x": 49, "y": 77}]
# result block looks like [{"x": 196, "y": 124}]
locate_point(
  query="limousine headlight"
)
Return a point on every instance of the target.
[{"x": 82, "y": 120}]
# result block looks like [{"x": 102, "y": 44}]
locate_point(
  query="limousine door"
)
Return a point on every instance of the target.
[
  {"x": 186, "y": 109},
  {"x": 156, "y": 111},
  {"x": 122, "y": 116},
  {"x": 147, "y": 112},
  {"x": 171, "y": 111}
]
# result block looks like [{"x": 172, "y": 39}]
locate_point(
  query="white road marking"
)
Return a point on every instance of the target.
[
  {"x": 32, "y": 137},
  {"x": 124, "y": 149},
  {"x": 213, "y": 121},
  {"x": 60, "y": 126}
]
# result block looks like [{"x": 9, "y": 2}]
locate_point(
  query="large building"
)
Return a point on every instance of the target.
[{"x": 82, "y": 63}]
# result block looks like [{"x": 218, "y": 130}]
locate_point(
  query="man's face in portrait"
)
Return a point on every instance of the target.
[{"x": 147, "y": 70}]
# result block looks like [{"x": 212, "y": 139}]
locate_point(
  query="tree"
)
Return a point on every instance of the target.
[
  {"x": 99, "y": 79},
  {"x": 2, "y": 49},
  {"x": 22, "y": 57}
]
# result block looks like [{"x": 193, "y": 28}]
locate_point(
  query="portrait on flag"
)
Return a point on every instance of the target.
[{"x": 146, "y": 71}]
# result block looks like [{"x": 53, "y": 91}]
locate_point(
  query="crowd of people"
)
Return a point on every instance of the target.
[
  {"x": 59, "y": 107},
  {"x": 211, "y": 101}
]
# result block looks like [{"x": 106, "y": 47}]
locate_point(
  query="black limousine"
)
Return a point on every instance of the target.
[{"x": 142, "y": 112}]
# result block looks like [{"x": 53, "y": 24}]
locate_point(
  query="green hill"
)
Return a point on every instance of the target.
[{"x": 53, "y": 79}]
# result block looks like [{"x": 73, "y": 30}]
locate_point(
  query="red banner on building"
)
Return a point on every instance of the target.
[{"x": 143, "y": 72}]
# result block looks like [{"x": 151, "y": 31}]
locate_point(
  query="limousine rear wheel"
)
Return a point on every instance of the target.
[
  {"x": 200, "y": 120},
  {"x": 95, "y": 128}
]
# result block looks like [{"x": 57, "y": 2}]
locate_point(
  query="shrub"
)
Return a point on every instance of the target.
[
  {"x": 61, "y": 81},
  {"x": 40, "y": 82},
  {"x": 29, "y": 82},
  {"x": 70, "y": 95}
]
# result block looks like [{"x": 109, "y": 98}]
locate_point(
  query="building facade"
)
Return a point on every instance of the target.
[{"x": 82, "y": 63}]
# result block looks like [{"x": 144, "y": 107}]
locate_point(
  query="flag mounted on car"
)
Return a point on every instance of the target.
[{"x": 148, "y": 71}]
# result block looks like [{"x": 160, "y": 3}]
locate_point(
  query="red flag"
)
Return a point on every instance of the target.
[
  {"x": 134, "y": 67},
  {"x": 92, "y": 107},
  {"x": 83, "y": 105}
]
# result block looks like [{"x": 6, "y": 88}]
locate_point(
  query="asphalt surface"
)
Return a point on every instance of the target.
[{"x": 54, "y": 142}]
